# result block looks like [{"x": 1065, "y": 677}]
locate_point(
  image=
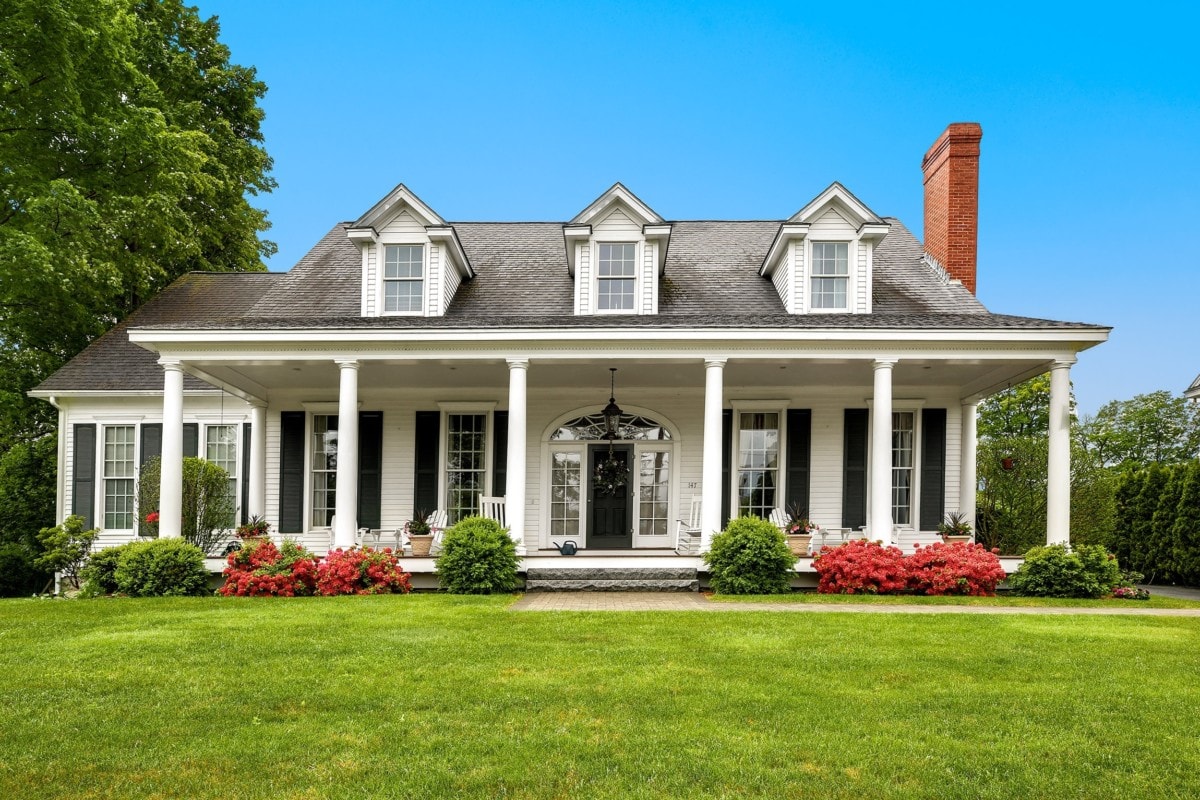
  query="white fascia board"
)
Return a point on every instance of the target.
[
  {"x": 209, "y": 343},
  {"x": 617, "y": 193},
  {"x": 787, "y": 232},
  {"x": 836, "y": 191},
  {"x": 90, "y": 393},
  {"x": 573, "y": 234},
  {"x": 446, "y": 235},
  {"x": 401, "y": 195},
  {"x": 873, "y": 231},
  {"x": 362, "y": 236},
  {"x": 662, "y": 235}
]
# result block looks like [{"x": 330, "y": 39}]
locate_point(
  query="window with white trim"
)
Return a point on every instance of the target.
[
  {"x": 903, "y": 460},
  {"x": 220, "y": 448},
  {"x": 119, "y": 477},
  {"x": 654, "y": 487},
  {"x": 830, "y": 276},
  {"x": 403, "y": 278},
  {"x": 324, "y": 469},
  {"x": 466, "y": 463},
  {"x": 757, "y": 463},
  {"x": 616, "y": 276},
  {"x": 565, "y": 478}
]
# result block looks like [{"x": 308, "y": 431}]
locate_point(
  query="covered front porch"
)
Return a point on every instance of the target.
[{"x": 871, "y": 437}]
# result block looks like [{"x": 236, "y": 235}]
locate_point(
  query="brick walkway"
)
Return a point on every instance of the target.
[{"x": 691, "y": 601}]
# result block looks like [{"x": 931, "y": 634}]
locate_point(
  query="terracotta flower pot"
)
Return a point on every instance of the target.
[
  {"x": 951, "y": 538},
  {"x": 799, "y": 543},
  {"x": 421, "y": 544}
]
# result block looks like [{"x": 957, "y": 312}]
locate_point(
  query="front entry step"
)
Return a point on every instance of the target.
[{"x": 613, "y": 579}]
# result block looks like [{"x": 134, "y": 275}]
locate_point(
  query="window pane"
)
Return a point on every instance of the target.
[
  {"x": 402, "y": 295},
  {"x": 564, "y": 479},
  {"x": 615, "y": 293},
  {"x": 758, "y": 463},
  {"x": 324, "y": 471},
  {"x": 830, "y": 258},
  {"x": 617, "y": 260},
  {"x": 654, "y": 481},
  {"x": 118, "y": 477},
  {"x": 403, "y": 261},
  {"x": 902, "y": 466},
  {"x": 466, "y": 442}
]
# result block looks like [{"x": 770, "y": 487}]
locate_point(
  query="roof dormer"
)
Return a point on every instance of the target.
[
  {"x": 616, "y": 249},
  {"x": 412, "y": 261},
  {"x": 821, "y": 260}
]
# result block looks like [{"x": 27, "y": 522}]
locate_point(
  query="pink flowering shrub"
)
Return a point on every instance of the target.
[
  {"x": 260, "y": 569},
  {"x": 860, "y": 567},
  {"x": 958, "y": 568},
  {"x": 361, "y": 571}
]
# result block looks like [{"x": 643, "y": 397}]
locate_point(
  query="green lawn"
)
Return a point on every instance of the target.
[
  {"x": 1155, "y": 601},
  {"x": 435, "y": 696}
]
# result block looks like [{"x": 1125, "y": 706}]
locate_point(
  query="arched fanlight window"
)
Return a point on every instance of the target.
[{"x": 592, "y": 427}]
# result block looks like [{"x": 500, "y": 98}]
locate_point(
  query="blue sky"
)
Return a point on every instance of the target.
[{"x": 1090, "y": 167}]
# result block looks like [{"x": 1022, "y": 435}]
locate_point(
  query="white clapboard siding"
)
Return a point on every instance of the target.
[
  {"x": 373, "y": 304},
  {"x": 649, "y": 279},
  {"x": 799, "y": 287},
  {"x": 433, "y": 279},
  {"x": 782, "y": 278},
  {"x": 583, "y": 278},
  {"x": 404, "y": 224},
  {"x": 860, "y": 279},
  {"x": 451, "y": 278}
]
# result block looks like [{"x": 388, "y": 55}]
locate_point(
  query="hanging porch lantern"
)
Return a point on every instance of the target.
[{"x": 612, "y": 412}]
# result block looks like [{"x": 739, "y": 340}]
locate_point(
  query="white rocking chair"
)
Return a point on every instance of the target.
[{"x": 687, "y": 532}]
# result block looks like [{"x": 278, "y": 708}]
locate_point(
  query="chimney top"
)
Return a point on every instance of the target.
[{"x": 951, "y": 167}]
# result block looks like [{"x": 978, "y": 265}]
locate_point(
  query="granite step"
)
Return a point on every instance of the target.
[{"x": 613, "y": 579}]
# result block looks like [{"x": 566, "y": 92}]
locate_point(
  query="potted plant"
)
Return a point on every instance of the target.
[
  {"x": 255, "y": 528},
  {"x": 955, "y": 528},
  {"x": 419, "y": 533},
  {"x": 799, "y": 531}
]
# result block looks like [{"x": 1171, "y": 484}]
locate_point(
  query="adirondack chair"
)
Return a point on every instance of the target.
[
  {"x": 437, "y": 526},
  {"x": 687, "y": 532},
  {"x": 779, "y": 518},
  {"x": 493, "y": 508}
]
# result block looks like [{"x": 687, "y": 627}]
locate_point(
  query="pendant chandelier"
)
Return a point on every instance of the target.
[{"x": 611, "y": 473}]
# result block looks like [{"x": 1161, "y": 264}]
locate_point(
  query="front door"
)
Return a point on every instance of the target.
[{"x": 610, "y": 522}]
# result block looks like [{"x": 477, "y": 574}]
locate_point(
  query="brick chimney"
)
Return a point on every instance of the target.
[{"x": 951, "y": 170}]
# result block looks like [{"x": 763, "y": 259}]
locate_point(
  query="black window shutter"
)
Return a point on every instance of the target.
[
  {"x": 151, "y": 442},
  {"x": 246, "y": 434},
  {"x": 191, "y": 439},
  {"x": 291, "y": 472},
  {"x": 933, "y": 467},
  {"x": 726, "y": 464},
  {"x": 83, "y": 474},
  {"x": 425, "y": 486},
  {"x": 370, "y": 468},
  {"x": 500, "y": 454},
  {"x": 854, "y": 469},
  {"x": 799, "y": 454}
]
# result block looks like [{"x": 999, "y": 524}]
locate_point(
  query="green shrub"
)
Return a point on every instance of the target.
[
  {"x": 100, "y": 575},
  {"x": 66, "y": 548},
  {"x": 206, "y": 503},
  {"x": 750, "y": 557},
  {"x": 162, "y": 568},
  {"x": 18, "y": 576},
  {"x": 478, "y": 557},
  {"x": 1055, "y": 571}
]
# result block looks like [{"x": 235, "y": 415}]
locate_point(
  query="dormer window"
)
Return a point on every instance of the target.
[
  {"x": 830, "y": 276},
  {"x": 403, "y": 278},
  {"x": 616, "y": 277}
]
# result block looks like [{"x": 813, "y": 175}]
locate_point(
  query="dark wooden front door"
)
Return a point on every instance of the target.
[{"x": 610, "y": 522}]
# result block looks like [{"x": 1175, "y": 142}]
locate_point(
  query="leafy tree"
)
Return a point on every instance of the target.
[
  {"x": 1150, "y": 428},
  {"x": 66, "y": 548},
  {"x": 1019, "y": 411},
  {"x": 207, "y": 505},
  {"x": 25, "y": 495},
  {"x": 1157, "y": 546},
  {"x": 130, "y": 147},
  {"x": 1129, "y": 488},
  {"x": 1185, "y": 531}
]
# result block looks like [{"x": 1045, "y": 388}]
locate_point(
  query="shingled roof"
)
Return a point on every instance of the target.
[{"x": 710, "y": 280}]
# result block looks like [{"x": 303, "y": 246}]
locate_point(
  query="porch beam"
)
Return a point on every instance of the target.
[
  {"x": 1058, "y": 464},
  {"x": 710, "y": 509},
  {"x": 346, "y": 508},
  {"x": 968, "y": 478},
  {"x": 879, "y": 512},
  {"x": 515, "y": 501},
  {"x": 170, "y": 490},
  {"x": 257, "y": 491}
]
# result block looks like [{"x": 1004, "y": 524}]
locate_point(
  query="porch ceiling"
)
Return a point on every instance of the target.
[{"x": 971, "y": 376}]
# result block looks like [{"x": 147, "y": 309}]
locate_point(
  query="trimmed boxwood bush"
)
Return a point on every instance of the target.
[
  {"x": 100, "y": 575},
  {"x": 1055, "y": 571},
  {"x": 750, "y": 557},
  {"x": 18, "y": 575},
  {"x": 162, "y": 568},
  {"x": 478, "y": 557}
]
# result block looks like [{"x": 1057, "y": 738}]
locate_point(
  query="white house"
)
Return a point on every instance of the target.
[
  {"x": 826, "y": 361},
  {"x": 1193, "y": 391}
]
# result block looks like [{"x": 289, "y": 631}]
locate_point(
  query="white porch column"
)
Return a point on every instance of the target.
[
  {"x": 1058, "y": 466},
  {"x": 879, "y": 511},
  {"x": 710, "y": 509},
  {"x": 170, "y": 490},
  {"x": 257, "y": 487},
  {"x": 346, "y": 514},
  {"x": 518, "y": 369},
  {"x": 968, "y": 481}
]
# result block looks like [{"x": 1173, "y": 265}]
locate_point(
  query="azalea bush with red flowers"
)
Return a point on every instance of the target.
[
  {"x": 260, "y": 569},
  {"x": 361, "y": 571},
  {"x": 860, "y": 567},
  {"x": 958, "y": 568}
]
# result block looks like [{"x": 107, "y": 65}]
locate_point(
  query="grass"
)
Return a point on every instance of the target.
[
  {"x": 437, "y": 696},
  {"x": 1155, "y": 601}
]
